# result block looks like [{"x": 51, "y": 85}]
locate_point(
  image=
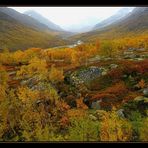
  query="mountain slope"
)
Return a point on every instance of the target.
[
  {"x": 17, "y": 35},
  {"x": 135, "y": 23},
  {"x": 57, "y": 29},
  {"x": 120, "y": 14},
  {"x": 24, "y": 19},
  {"x": 43, "y": 20}
]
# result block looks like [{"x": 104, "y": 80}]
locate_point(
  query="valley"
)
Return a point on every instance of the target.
[{"x": 88, "y": 87}]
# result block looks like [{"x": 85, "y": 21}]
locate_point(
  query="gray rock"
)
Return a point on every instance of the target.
[
  {"x": 145, "y": 92},
  {"x": 120, "y": 113},
  {"x": 141, "y": 98},
  {"x": 112, "y": 66},
  {"x": 84, "y": 75},
  {"x": 132, "y": 49},
  {"x": 128, "y": 52},
  {"x": 125, "y": 76},
  {"x": 94, "y": 59},
  {"x": 130, "y": 56},
  {"x": 23, "y": 82},
  {"x": 107, "y": 59},
  {"x": 96, "y": 105},
  {"x": 141, "y": 49},
  {"x": 100, "y": 114},
  {"x": 104, "y": 71},
  {"x": 92, "y": 117}
]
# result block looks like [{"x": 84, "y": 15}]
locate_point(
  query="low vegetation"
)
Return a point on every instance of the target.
[{"x": 44, "y": 98}]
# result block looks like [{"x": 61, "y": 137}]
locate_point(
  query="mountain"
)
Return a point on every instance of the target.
[
  {"x": 116, "y": 17},
  {"x": 59, "y": 31},
  {"x": 133, "y": 23},
  {"x": 24, "y": 19},
  {"x": 19, "y": 31},
  {"x": 43, "y": 20}
]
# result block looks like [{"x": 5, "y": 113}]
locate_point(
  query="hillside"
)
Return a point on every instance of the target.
[
  {"x": 19, "y": 33},
  {"x": 120, "y": 14},
  {"x": 135, "y": 22},
  {"x": 43, "y": 20},
  {"x": 24, "y": 19},
  {"x": 83, "y": 92}
]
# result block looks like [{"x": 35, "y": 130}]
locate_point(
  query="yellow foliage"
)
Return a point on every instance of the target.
[
  {"x": 27, "y": 95},
  {"x": 144, "y": 130},
  {"x": 78, "y": 113},
  {"x": 80, "y": 104},
  {"x": 36, "y": 67},
  {"x": 114, "y": 128},
  {"x": 55, "y": 74}
]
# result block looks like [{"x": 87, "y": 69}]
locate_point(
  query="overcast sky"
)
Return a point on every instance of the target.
[{"x": 73, "y": 17}]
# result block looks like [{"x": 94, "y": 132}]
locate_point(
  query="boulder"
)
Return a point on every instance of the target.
[
  {"x": 94, "y": 59},
  {"x": 104, "y": 71},
  {"x": 130, "y": 56},
  {"x": 145, "y": 92},
  {"x": 141, "y": 49},
  {"x": 85, "y": 75},
  {"x": 128, "y": 52},
  {"x": 96, "y": 105},
  {"x": 120, "y": 113},
  {"x": 92, "y": 117},
  {"x": 112, "y": 66}
]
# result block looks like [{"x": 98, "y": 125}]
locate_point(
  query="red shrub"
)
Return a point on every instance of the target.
[
  {"x": 116, "y": 74},
  {"x": 132, "y": 66},
  {"x": 118, "y": 89},
  {"x": 113, "y": 94}
]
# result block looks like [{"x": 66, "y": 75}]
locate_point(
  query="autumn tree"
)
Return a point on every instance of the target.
[
  {"x": 107, "y": 49},
  {"x": 55, "y": 74},
  {"x": 36, "y": 67},
  {"x": 84, "y": 129},
  {"x": 114, "y": 128}
]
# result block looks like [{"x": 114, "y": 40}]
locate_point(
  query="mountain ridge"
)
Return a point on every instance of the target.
[
  {"x": 135, "y": 22},
  {"x": 15, "y": 35},
  {"x": 117, "y": 16},
  {"x": 43, "y": 20}
]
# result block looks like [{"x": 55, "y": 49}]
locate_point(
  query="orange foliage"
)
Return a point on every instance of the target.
[
  {"x": 78, "y": 113},
  {"x": 118, "y": 89},
  {"x": 80, "y": 104},
  {"x": 130, "y": 96},
  {"x": 112, "y": 95},
  {"x": 141, "y": 84},
  {"x": 130, "y": 66},
  {"x": 64, "y": 121},
  {"x": 56, "y": 74},
  {"x": 62, "y": 106}
]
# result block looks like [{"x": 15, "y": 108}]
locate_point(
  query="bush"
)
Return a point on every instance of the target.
[
  {"x": 55, "y": 75},
  {"x": 83, "y": 129},
  {"x": 114, "y": 128}
]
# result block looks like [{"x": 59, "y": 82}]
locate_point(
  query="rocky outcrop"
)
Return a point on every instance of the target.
[{"x": 84, "y": 76}]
